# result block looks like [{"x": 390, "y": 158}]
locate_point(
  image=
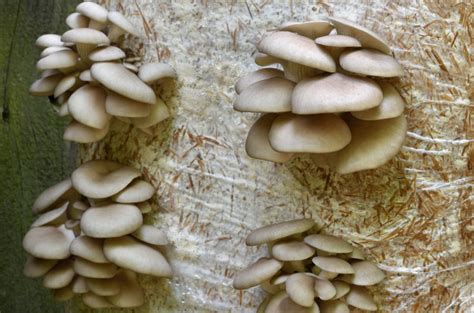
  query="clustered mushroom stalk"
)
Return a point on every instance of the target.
[
  {"x": 308, "y": 271},
  {"x": 88, "y": 76},
  {"x": 326, "y": 101},
  {"x": 90, "y": 240}
]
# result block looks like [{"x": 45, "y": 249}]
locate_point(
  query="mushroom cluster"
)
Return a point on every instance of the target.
[
  {"x": 308, "y": 271},
  {"x": 90, "y": 240},
  {"x": 87, "y": 76},
  {"x": 325, "y": 101}
]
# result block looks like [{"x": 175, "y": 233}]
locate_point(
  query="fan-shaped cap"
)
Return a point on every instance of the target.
[
  {"x": 58, "y": 60},
  {"x": 108, "y": 53},
  {"x": 334, "y": 306},
  {"x": 152, "y": 72},
  {"x": 52, "y": 195},
  {"x": 48, "y": 242},
  {"x": 370, "y": 62},
  {"x": 45, "y": 86},
  {"x": 391, "y": 106},
  {"x": 86, "y": 36},
  {"x": 139, "y": 190},
  {"x": 323, "y": 288},
  {"x": 257, "y": 144},
  {"x": 256, "y": 273},
  {"x": 296, "y": 48},
  {"x": 77, "y": 20},
  {"x": 333, "y": 264},
  {"x": 117, "y": 78},
  {"x": 104, "y": 287},
  {"x": 263, "y": 59},
  {"x": 94, "y": 270},
  {"x": 335, "y": 93},
  {"x": 309, "y": 133},
  {"x": 51, "y": 50},
  {"x": 96, "y": 302},
  {"x": 86, "y": 76},
  {"x": 102, "y": 178},
  {"x": 365, "y": 274},
  {"x": 53, "y": 217},
  {"x": 360, "y": 298},
  {"x": 88, "y": 248},
  {"x": 281, "y": 303},
  {"x": 79, "y": 285},
  {"x": 342, "y": 289},
  {"x": 59, "y": 276},
  {"x": 300, "y": 289},
  {"x": 113, "y": 220},
  {"x": 93, "y": 11},
  {"x": 356, "y": 254},
  {"x": 119, "y": 20},
  {"x": 131, "y": 293},
  {"x": 66, "y": 83},
  {"x": 63, "y": 294},
  {"x": 35, "y": 267},
  {"x": 277, "y": 231},
  {"x": 256, "y": 76},
  {"x": 81, "y": 133},
  {"x": 144, "y": 207},
  {"x": 340, "y": 41},
  {"x": 328, "y": 243},
  {"x": 292, "y": 251},
  {"x": 118, "y": 105},
  {"x": 48, "y": 40},
  {"x": 151, "y": 235},
  {"x": 367, "y": 38},
  {"x": 158, "y": 113},
  {"x": 373, "y": 144},
  {"x": 310, "y": 29},
  {"x": 87, "y": 106}
]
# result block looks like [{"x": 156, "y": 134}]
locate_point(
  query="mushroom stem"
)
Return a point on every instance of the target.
[
  {"x": 96, "y": 25},
  {"x": 296, "y": 72},
  {"x": 115, "y": 33},
  {"x": 84, "y": 50}
]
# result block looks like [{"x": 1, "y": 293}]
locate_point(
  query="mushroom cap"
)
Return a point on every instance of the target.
[
  {"x": 342, "y": 289},
  {"x": 256, "y": 273},
  {"x": 79, "y": 285},
  {"x": 131, "y": 293},
  {"x": 310, "y": 29},
  {"x": 256, "y": 76},
  {"x": 309, "y": 133},
  {"x": 296, "y": 48},
  {"x": 119, "y": 20},
  {"x": 117, "y": 78},
  {"x": 300, "y": 289},
  {"x": 81, "y": 133},
  {"x": 366, "y": 37},
  {"x": 281, "y": 303},
  {"x": 51, "y": 50},
  {"x": 93, "y": 11},
  {"x": 94, "y": 270},
  {"x": 334, "y": 306},
  {"x": 118, "y": 105},
  {"x": 391, "y": 106},
  {"x": 356, "y": 254},
  {"x": 370, "y": 62},
  {"x": 86, "y": 36},
  {"x": 51, "y": 195},
  {"x": 373, "y": 144},
  {"x": 277, "y": 231},
  {"x": 63, "y": 294},
  {"x": 53, "y": 217},
  {"x": 96, "y": 302},
  {"x": 292, "y": 251},
  {"x": 263, "y": 59},
  {"x": 102, "y": 179},
  {"x": 297, "y": 72},
  {"x": 104, "y": 287},
  {"x": 66, "y": 83},
  {"x": 340, "y": 41},
  {"x": 257, "y": 144},
  {"x": 333, "y": 264},
  {"x": 328, "y": 243},
  {"x": 323, "y": 288},
  {"x": 108, "y": 53},
  {"x": 88, "y": 248},
  {"x": 48, "y": 242},
  {"x": 59, "y": 276},
  {"x": 47, "y": 73},
  {"x": 131, "y": 254},
  {"x": 151, "y": 72},
  {"x": 144, "y": 207},
  {"x": 57, "y": 60},
  {"x": 77, "y": 20},
  {"x": 87, "y": 106},
  {"x": 335, "y": 93},
  {"x": 35, "y": 267},
  {"x": 86, "y": 76},
  {"x": 139, "y": 190},
  {"x": 158, "y": 113},
  {"x": 45, "y": 86},
  {"x": 360, "y": 298},
  {"x": 151, "y": 235},
  {"x": 48, "y": 40},
  {"x": 327, "y": 275},
  {"x": 269, "y": 95},
  {"x": 113, "y": 220},
  {"x": 365, "y": 274}
]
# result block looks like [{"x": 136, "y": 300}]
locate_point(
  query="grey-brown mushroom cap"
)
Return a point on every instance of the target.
[
  {"x": 129, "y": 253},
  {"x": 367, "y": 38},
  {"x": 258, "y": 75},
  {"x": 277, "y": 231},
  {"x": 35, "y": 267},
  {"x": 131, "y": 294},
  {"x": 88, "y": 248},
  {"x": 87, "y": 36},
  {"x": 300, "y": 289},
  {"x": 151, "y": 235},
  {"x": 342, "y": 289},
  {"x": 339, "y": 41},
  {"x": 256, "y": 273},
  {"x": 328, "y": 243},
  {"x": 373, "y": 144},
  {"x": 319, "y": 133},
  {"x": 60, "y": 275},
  {"x": 292, "y": 251},
  {"x": 113, "y": 220},
  {"x": 257, "y": 144},
  {"x": 360, "y": 298},
  {"x": 48, "y": 40},
  {"x": 58, "y": 60},
  {"x": 117, "y": 78},
  {"x": 63, "y": 294},
  {"x": 152, "y": 72},
  {"x": 370, "y": 62},
  {"x": 79, "y": 285},
  {"x": 108, "y": 53},
  {"x": 335, "y": 93},
  {"x": 298, "y": 49},
  {"x": 264, "y": 59},
  {"x": 139, "y": 190},
  {"x": 53, "y": 217},
  {"x": 119, "y": 20},
  {"x": 101, "y": 178},
  {"x": 271, "y": 95},
  {"x": 334, "y": 306},
  {"x": 77, "y": 20},
  {"x": 81, "y": 133},
  {"x": 96, "y": 302},
  {"x": 333, "y": 264},
  {"x": 281, "y": 303},
  {"x": 391, "y": 106},
  {"x": 87, "y": 106},
  {"x": 90, "y": 269},
  {"x": 118, "y": 105},
  {"x": 48, "y": 242},
  {"x": 158, "y": 113},
  {"x": 93, "y": 11},
  {"x": 365, "y": 274},
  {"x": 104, "y": 287},
  {"x": 50, "y": 195},
  {"x": 45, "y": 86},
  {"x": 310, "y": 29},
  {"x": 66, "y": 83}
]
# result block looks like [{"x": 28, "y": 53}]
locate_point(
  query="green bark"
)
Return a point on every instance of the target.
[{"x": 33, "y": 155}]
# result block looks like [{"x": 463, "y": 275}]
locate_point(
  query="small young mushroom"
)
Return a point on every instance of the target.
[
  {"x": 65, "y": 84},
  {"x": 45, "y": 86},
  {"x": 49, "y": 40},
  {"x": 278, "y": 231},
  {"x": 151, "y": 235},
  {"x": 365, "y": 274},
  {"x": 153, "y": 72},
  {"x": 63, "y": 60},
  {"x": 77, "y": 20},
  {"x": 292, "y": 251},
  {"x": 96, "y": 13},
  {"x": 328, "y": 243},
  {"x": 158, "y": 113},
  {"x": 324, "y": 289},
  {"x": 86, "y": 40},
  {"x": 257, "y": 273},
  {"x": 342, "y": 289},
  {"x": 59, "y": 276},
  {"x": 360, "y": 298}
]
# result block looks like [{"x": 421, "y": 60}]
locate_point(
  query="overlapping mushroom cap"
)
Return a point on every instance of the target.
[
  {"x": 87, "y": 76},
  {"x": 330, "y": 72},
  {"x": 90, "y": 240},
  {"x": 308, "y": 271}
]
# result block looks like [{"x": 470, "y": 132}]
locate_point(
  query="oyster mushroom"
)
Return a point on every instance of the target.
[
  {"x": 96, "y": 14},
  {"x": 153, "y": 72},
  {"x": 259, "y": 75},
  {"x": 88, "y": 248},
  {"x": 257, "y": 273},
  {"x": 370, "y": 62},
  {"x": 120, "y": 25}
]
